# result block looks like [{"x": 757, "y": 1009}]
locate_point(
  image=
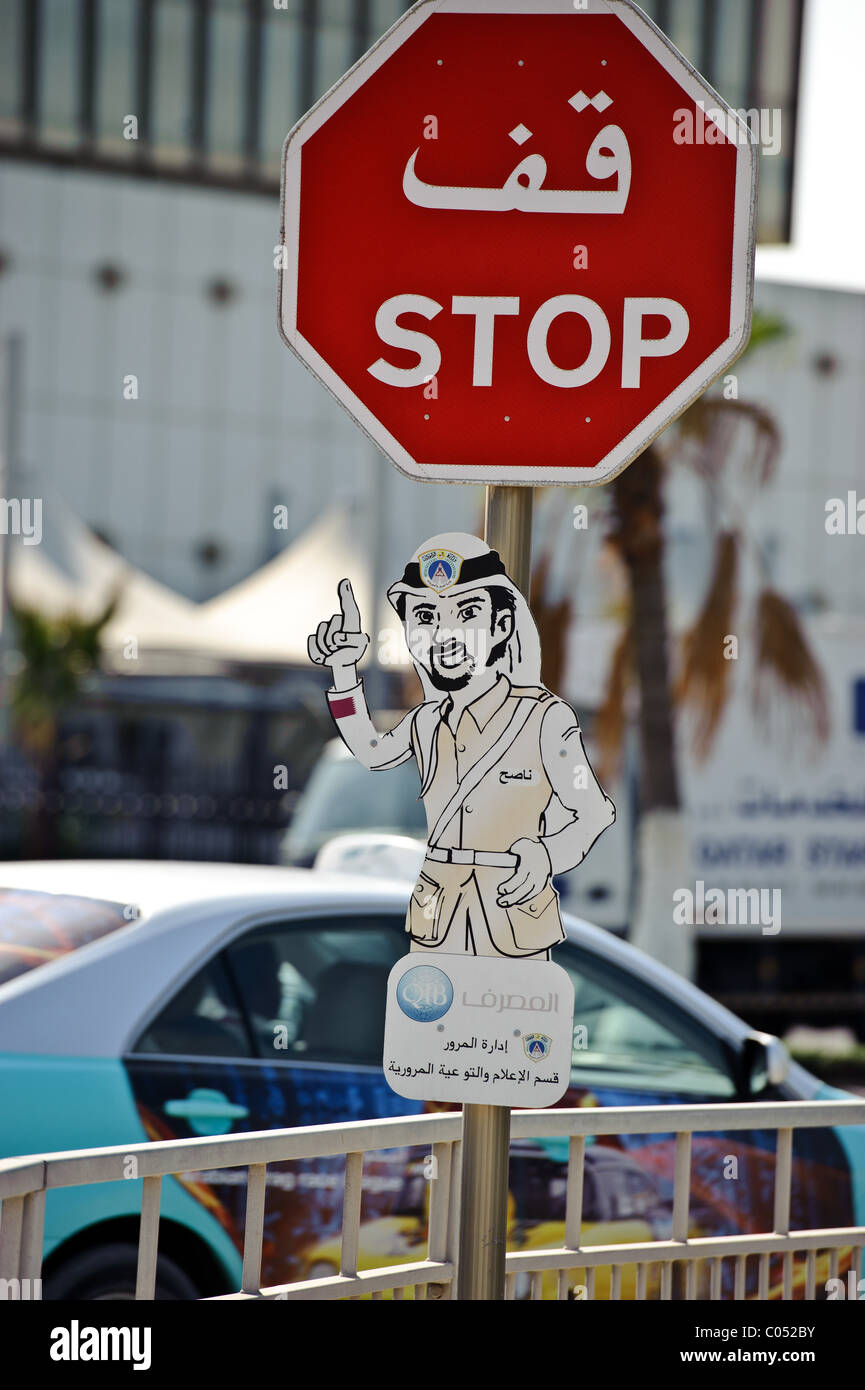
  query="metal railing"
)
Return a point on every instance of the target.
[{"x": 25, "y": 1181}]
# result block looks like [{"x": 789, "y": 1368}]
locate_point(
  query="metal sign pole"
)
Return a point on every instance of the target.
[{"x": 486, "y": 1128}]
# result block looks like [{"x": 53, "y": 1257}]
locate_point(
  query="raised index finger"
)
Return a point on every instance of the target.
[{"x": 348, "y": 604}]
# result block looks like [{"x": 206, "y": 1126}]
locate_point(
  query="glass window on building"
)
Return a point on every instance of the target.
[
  {"x": 775, "y": 97},
  {"x": 58, "y": 95},
  {"x": 282, "y": 47},
  {"x": 730, "y": 47},
  {"x": 384, "y": 13},
  {"x": 118, "y": 121},
  {"x": 684, "y": 23},
  {"x": 11, "y": 68},
  {"x": 225, "y": 69},
  {"x": 336, "y": 20},
  {"x": 171, "y": 39}
]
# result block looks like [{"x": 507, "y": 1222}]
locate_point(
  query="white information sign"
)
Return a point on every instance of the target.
[{"x": 482, "y": 1030}]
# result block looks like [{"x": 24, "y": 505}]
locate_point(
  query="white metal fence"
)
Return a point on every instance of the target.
[{"x": 638, "y": 1270}]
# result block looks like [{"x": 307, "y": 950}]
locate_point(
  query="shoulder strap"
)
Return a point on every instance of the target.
[
  {"x": 424, "y": 729},
  {"x": 525, "y": 707}
]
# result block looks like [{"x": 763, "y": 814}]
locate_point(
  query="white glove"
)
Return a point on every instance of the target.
[
  {"x": 339, "y": 643},
  {"x": 533, "y": 872}
]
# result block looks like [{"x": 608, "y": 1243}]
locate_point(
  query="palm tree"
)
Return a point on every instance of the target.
[
  {"x": 57, "y": 656},
  {"x": 732, "y": 446}
]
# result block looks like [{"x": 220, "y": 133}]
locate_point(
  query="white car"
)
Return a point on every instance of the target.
[
  {"x": 343, "y": 796},
  {"x": 159, "y": 1000}
]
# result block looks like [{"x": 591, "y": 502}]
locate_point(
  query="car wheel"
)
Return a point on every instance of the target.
[{"x": 108, "y": 1273}]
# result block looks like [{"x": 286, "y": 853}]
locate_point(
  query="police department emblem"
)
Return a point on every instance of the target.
[
  {"x": 439, "y": 569},
  {"x": 536, "y": 1046}
]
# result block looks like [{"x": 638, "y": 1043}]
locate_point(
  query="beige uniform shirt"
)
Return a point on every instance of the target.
[{"x": 540, "y": 786}]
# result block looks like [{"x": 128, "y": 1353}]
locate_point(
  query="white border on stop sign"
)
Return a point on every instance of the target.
[{"x": 744, "y": 236}]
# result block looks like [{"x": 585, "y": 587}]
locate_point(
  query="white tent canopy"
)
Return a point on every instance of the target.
[
  {"x": 266, "y": 618},
  {"x": 72, "y": 571},
  {"x": 271, "y": 614}
]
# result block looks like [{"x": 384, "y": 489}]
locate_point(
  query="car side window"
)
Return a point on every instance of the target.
[
  {"x": 204, "y": 1019},
  {"x": 627, "y": 1034},
  {"x": 314, "y": 990}
]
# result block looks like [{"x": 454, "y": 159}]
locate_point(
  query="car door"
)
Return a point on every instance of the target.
[
  {"x": 283, "y": 1027},
  {"x": 635, "y": 1046}
]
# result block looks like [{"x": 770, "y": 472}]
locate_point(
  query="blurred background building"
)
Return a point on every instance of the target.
[{"x": 155, "y": 410}]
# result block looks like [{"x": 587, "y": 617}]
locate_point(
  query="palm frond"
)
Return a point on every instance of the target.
[
  {"x": 57, "y": 654},
  {"x": 704, "y": 677},
  {"x": 786, "y": 672},
  {"x": 765, "y": 328},
  {"x": 553, "y": 622},
  {"x": 611, "y": 719},
  {"x": 717, "y": 434}
]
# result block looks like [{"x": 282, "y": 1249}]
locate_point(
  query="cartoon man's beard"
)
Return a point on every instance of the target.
[
  {"x": 498, "y": 651},
  {"x": 448, "y": 683},
  {"x": 441, "y": 681}
]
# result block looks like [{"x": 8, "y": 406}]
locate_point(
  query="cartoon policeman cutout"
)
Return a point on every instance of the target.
[{"x": 509, "y": 794}]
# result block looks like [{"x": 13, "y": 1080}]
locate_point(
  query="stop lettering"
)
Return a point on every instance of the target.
[{"x": 485, "y": 309}]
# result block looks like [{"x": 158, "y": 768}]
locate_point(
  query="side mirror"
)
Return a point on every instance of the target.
[{"x": 765, "y": 1062}]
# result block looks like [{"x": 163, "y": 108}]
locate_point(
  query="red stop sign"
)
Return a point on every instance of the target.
[{"x": 518, "y": 240}]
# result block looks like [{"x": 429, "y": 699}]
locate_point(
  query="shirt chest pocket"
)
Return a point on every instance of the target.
[
  {"x": 424, "y": 910},
  {"x": 537, "y": 921}
]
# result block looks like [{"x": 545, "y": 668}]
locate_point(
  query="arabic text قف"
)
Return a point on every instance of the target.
[{"x": 523, "y": 191}]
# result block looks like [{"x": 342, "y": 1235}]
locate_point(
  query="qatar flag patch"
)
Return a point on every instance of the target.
[{"x": 342, "y": 709}]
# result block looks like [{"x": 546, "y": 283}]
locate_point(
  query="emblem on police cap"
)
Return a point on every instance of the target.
[
  {"x": 536, "y": 1046},
  {"x": 439, "y": 569}
]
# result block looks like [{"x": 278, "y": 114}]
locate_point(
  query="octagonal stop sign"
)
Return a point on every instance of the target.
[{"x": 518, "y": 239}]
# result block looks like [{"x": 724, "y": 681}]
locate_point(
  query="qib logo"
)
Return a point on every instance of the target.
[{"x": 424, "y": 993}]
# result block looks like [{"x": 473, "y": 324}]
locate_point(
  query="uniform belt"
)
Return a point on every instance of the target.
[{"x": 491, "y": 859}]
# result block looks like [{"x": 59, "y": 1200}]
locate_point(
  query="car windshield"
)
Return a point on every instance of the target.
[
  {"x": 344, "y": 795},
  {"x": 38, "y": 927}
]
